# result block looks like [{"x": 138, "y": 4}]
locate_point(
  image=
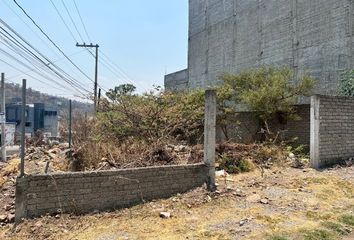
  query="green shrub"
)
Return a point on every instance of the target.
[
  {"x": 268, "y": 91},
  {"x": 347, "y": 219}
]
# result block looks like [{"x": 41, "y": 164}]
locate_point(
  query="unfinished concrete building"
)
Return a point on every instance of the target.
[{"x": 312, "y": 36}]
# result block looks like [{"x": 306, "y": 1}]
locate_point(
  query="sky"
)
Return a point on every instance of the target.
[{"x": 142, "y": 39}]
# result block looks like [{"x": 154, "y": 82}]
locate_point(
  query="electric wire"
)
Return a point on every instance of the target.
[
  {"x": 21, "y": 46},
  {"x": 37, "y": 35},
  {"x": 82, "y": 22},
  {"x": 27, "y": 43},
  {"x": 54, "y": 44},
  {"x": 72, "y": 20},
  {"x": 62, "y": 19}
]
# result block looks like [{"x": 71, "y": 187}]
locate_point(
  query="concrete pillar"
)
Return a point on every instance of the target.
[
  {"x": 21, "y": 199},
  {"x": 209, "y": 136},
  {"x": 314, "y": 135}
]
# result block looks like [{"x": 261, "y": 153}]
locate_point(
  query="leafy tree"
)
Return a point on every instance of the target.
[
  {"x": 121, "y": 90},
  {"x": 346, "y": 87},
  {"x": 268, "y": 91}
]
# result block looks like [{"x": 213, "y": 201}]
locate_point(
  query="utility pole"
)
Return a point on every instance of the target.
[
  {"x": 3, "y": 123},
  {"x": 99, "y": 98},
  {"x": 70, "y": 125},
  {"x": 96, "y": 70},
  {"x": 23, "y": 128}
]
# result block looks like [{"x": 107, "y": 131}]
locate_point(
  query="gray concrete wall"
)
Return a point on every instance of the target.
[
  {"x": 177, "y": 81},
  {"x": 314, "y": 36},
  {"x": 332, "y": 130},
  {"x": 78, "y": 193},
  {"x": 248, "y": 129}
]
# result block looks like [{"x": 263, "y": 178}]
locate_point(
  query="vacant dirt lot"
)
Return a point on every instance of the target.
[{"x": 283, "y": 204}]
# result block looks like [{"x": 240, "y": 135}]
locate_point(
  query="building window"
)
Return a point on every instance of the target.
[
  {"x": 50, "y": 113},
  {"x": 28, "y": 124}
]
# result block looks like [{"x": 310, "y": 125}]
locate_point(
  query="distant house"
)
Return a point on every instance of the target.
[{"x": 38, "y": 117}]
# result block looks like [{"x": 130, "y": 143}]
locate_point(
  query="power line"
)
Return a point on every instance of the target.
[
  {"x": 72, "y": 20},
  {"x": 55, "y": 45},
  {"x": 36, "y": 71},
  {"x": 120, "y": 71},
  {"x": 57, "y": 60},
  {"x": 13, "y": 44},
  {"x": 62, "y": 19},
  {"x": 37, "y": 35},
  {"x": 24, "y": 48},
  {"x": 82, "y": 22}
]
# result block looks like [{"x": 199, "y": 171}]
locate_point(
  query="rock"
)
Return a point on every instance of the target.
[
  {"x": 292, "y": 155},
  {"x": 264, "y": 201},
  {"x": 239, "y": 193},
  {"x": 3, "y": 218},
  {"x": 8, "y": 207},
  {"x": 180, "y": 148},
  {"x": 11, "y": 217},
  {"x": 38, "y": 224},
  {"x": 165, "y": 215},
  {"x": 254, "y": 198},
  {"x": 243, "y": 222},
  {"x": 221, "y": 173}
]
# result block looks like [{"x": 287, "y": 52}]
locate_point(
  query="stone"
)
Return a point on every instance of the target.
[
  {"x": 254, "y": 198},
  {"x": 221, "y": 173},
  {"x": 264, "y": 201},
  {"x": 165, "y": 215},
  {"x": 3, "y": 218},
  {"x": 243, "y": 222},
  {"x": 11, "y": 217},
  {"x": 38, "y": 224}
]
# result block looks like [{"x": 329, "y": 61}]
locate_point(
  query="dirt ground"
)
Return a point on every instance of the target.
[{"x": 284, "y": 203}]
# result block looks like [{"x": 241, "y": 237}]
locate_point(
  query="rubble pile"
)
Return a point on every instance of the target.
[
  {"x": 7, "y": 193},
  {"x": 44, "y": 159}
]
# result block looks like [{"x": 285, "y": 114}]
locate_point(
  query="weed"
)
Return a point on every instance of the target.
[
  {"x": 278, "y": 237},
  {"x": 233, "y": 165},
  {"x": 336, "y": 227},
  {"x": 319, "y": 234},
  {"x": 318, "y": 216},
  {"x": 347, "y": 219}
]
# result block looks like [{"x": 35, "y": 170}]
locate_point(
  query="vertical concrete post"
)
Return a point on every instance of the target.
[
  {"x": 209, "y": 136},
  {"x": 21, "y": 199},
  {"x": 314, "y": 135}
]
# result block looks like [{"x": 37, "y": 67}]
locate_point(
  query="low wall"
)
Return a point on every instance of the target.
[
  {"x": 84, "y": 192},
  {"x": 332, "y": 130},
  {"x": 177, "y": 81}
]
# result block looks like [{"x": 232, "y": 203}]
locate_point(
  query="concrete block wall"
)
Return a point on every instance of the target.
[
  {"x": 84, "y": 192},
  {"x": 332, "y": 130},
  {"x": 177, "y": 81},
  {"x": 313, "y": 36},
  {"x": 248, "y": 129}
]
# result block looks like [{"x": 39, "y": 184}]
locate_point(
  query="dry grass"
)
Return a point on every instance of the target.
[{"x": 10, "y": 168}]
